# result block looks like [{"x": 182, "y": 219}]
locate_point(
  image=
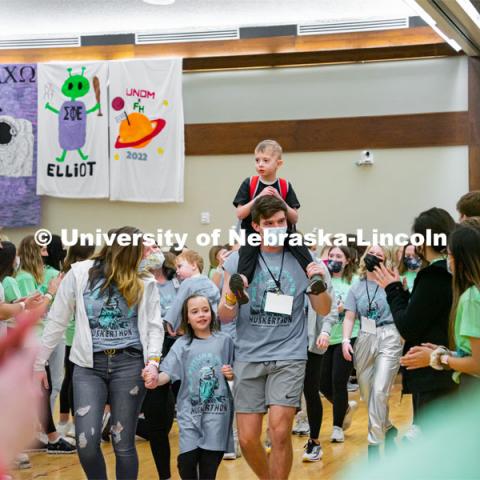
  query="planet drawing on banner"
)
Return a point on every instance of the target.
[{"x": 136, "y": 130}]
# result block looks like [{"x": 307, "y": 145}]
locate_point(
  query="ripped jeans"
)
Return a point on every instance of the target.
[{"x": 117, "y": 377}]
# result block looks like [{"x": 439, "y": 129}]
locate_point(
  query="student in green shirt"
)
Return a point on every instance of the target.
[
  {"x": 464, "y": 354},
  {"x": 335, "y": 370},
  {"x": 409, "y": 265},
  {"x": 8, "y": 255}
]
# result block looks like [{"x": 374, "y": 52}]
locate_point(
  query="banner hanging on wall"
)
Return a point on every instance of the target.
[
  {"x": 147, "y": 147},
  {"x": 20, "y": 206},
  {"x": 73, "y": 130}
]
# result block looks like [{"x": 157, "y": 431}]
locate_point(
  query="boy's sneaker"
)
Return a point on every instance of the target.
[
  {"x": 316, "y": 285},
  {"x": 337, "y": 435},
  {"x": 352, "y": 387},
  {"x": 66, "y": 429},
  {"x": 238, "y": 288},
  {"x": 347, "y": 421},
  {"x": 313, "y": 452},
  {"x": 37, "y": 446},
  {"x": 61, "y": 447},
  {"x": 22, "y": 462},
  {"x": 230, "y": 456},
  {"x": 301, "y": 428},
  {"x": 267, "y": 444}
]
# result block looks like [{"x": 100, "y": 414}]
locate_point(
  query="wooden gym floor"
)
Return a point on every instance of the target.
[{"x": 335, "y": 456}]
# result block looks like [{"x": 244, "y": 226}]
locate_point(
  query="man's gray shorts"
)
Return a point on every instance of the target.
[{"x": 259, "y": 385}]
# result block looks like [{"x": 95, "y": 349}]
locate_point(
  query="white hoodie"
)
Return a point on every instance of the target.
[{"x": 69, "y": 301}]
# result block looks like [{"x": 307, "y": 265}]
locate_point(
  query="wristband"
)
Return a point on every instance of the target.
[
  {"x": 230, "y": 299},
  {"x": 345, "y": 340},
  {"x": 23, "y": 305},
  {"x": 435, "y": 357},
  {"x": 154, "y": 363},
  {"x": 49, "y": 296},
  {"x": 325, "y": 333}
]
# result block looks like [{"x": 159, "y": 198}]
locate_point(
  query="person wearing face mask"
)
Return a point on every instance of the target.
[
  {"x": 336, "y": 370},
  {"x": 422, "y": 315},
  {"x": 378, "y": 347},
  {"x": 408, "y": 266}
]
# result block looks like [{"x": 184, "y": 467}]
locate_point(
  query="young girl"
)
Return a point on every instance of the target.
[
  {"x": 378, "y": 347},
  {"x": 201, "y": 360},
  {"x": 409, "y": 265},
  {"x": 336, "y": 370},
  {"x": 118, "y": 329}
]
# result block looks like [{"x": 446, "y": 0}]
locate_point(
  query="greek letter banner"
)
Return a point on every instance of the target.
[
  {"x": 18, "y": 147},
  {"x": 147, "y": 148},
  {"x": 73, "y": 130}
]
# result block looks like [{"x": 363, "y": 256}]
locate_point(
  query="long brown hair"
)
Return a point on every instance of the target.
[
  {"x": 118, "y": 265},
  {"x": 31, "y": 261},
  {"x": 464, "y": 246},
  {"x": 77, "y": 253},
  {"x": 185, "y": 325}
]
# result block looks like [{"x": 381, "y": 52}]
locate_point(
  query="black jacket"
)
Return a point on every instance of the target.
[{"x": 423, "y": 317}]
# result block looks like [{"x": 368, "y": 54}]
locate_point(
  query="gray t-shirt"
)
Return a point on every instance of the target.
[
  {"x": 265, "y": 336},
  {"x": 168, "y": 292},
  {"x": 199, "y": 285},
  {"x": 204, "y": 402},
  {"x": 112, "y": 322},
  {"x": 376, "y": 308}
]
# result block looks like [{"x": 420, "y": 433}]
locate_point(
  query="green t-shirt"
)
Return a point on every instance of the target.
[
  {"x": 70, "y": 332},
  {"x": 11, "y": 290},
  {"x": 467, "y": 322},
  {"x": 410, "y": 276},
  {"x": 341, "y": 288},
  {"x": 28, "y": 285}
]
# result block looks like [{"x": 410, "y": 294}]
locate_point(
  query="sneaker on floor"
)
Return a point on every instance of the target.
[
  {"x": 238, "y": 288},
  {"x": 61, "y": 447},
  {"x": 66, "y": 429},
  {"x": 352, "y": 387},
  {"x": 22, "y": 462},
  {"x": 337, "y": 435},
  {"x": 347, "y": 421},
  {"x": 301, "y": 428},
  {"x": 267, "y": 444},
  {"x": 230, "y": 456},
  {"x": 37, "y": 446},
  {"x": 313, "y": 452}
]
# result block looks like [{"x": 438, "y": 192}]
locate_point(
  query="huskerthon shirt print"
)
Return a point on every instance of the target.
[
  {"x": 207, "y": 393},
  {"x": 113, "y": 324}
]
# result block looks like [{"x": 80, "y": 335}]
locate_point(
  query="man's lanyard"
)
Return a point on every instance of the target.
[
  {"x": 370, "y": 302},
  {"x": 277, "y": 281}
]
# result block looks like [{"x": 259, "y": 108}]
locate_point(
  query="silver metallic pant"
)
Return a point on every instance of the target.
[{"x": 377, "y": 360}]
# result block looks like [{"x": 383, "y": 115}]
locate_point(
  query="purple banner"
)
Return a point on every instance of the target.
[{"x": 19, "y": 204}]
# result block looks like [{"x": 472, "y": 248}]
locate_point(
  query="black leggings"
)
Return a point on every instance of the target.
[
  {"x": 334, "y": 376},
  {"x": 199, "y": 464},
  {"x": 66, "y": 393},
  {"x": 311, "y": 390},
  {"x": 158, "y": 408},
  {"x": 46, "y": 419}
]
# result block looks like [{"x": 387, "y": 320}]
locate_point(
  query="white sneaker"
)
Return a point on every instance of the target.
[
  {"x": 301, "y": 428},
  {"x": 347, "y": 421},
  {"x": 412, "y": 434},
  {"x": 337, "y": 435},
  {"x": 352, "y": 387},
  {"x": 22, "y": 461},
  {"x": 313, "y": 452},
  {"x": 230, "y": 456},
  {"x": 66, "y": 429}
]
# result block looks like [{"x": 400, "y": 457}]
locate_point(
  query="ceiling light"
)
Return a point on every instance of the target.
[{"x": 159, "y": 2}]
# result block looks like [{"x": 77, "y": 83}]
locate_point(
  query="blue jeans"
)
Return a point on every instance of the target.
[{"x": 117, "y": 377}]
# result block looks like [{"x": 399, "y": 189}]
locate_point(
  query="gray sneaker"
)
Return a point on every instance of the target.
[{"x": 313, "y": 452}]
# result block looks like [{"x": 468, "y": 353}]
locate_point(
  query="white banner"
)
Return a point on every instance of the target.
[
  {"x": 73, "y": 130},
  {"x": 147, "y": 148}
]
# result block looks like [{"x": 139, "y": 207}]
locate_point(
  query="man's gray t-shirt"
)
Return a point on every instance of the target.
[
  {"x": 199, "y": 285},
  {"x": 204, "y": 402},
  {"x": 112, "y": 323},
  {"x": 358, "y": 301},
  {"x": 167, "y": 292},
  {"x": 265, "y": 336}
]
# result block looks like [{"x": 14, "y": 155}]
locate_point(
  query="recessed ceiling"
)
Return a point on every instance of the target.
[{"x": 83, "y": 17}]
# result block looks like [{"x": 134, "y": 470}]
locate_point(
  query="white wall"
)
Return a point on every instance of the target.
[{"x": 335, "y": 194}]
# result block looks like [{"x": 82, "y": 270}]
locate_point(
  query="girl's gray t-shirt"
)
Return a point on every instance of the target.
[{"x": 204, "y": 402}]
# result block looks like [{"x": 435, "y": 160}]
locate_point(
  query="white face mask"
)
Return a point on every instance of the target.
[
  {"x": 449, "y": 267},
  {"x": 153, "y": 262},
  {"x": 16, "y": 265},
  {"x": 274, "y": 237}
]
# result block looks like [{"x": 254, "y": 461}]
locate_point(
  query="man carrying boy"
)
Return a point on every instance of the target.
[
  {"x": 268, "y": 159},
  {"x": 271, "y": 345},
  {"x": 189, "y": 270}
]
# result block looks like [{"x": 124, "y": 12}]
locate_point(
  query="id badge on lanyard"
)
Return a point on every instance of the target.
[{"x": 279, "y": 303}]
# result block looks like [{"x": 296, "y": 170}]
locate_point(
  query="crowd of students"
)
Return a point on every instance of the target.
[{"x": 134, "y": 336}]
